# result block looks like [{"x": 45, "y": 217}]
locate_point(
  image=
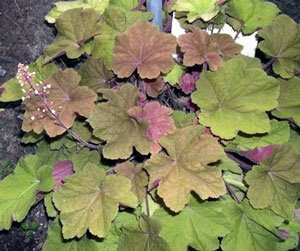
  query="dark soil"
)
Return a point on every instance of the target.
[{"x": 23, "y": 36}]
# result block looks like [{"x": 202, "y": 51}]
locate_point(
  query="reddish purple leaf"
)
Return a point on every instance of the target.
[
  {"x": 159, "y": 121},
  {"x": 1, "y": 90},
  {"x": 187, "y": 103},
  {"x": 142, "y": 100},
  {"x": 61, "y": 170},
  {"x": 188, "y": 82},
  {"x": 258, "y": 154}
]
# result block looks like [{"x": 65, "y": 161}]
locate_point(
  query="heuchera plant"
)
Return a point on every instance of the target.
[{"x": 138, "y": 149}]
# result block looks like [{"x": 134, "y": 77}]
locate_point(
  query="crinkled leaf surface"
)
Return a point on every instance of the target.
[
  {"x": 144, "y": 237},
  {"x": 112, "y": 123},
  {"x": 188, "y": 82},
  {"x": 282, "y": 41},
  {"x": 60, "y": 7},
  {"x": 137, "y": 176},
  {"x": 89, "y": 200},
  {"x": 235, "y": 98},
  {"x": 145, "y": 49},
  {"x": 289, "y": 101},
  {"x": 186, "y": 168},
  {"x": 251, "y": 230},
  {"x": 198, "y": 225},
  {"x": 18, "y": 190},
  {"x": 182, "y": 119},
  {"x": 75, "y": 27},
  {"x": 125, "y": 4},
  {"x": 252, "y": 14},
  {"x": 199, "y": 47},
  {"x": 154, "y": 87},
  {"x": 275, "y": 182},
  {"x": 160, "y": 122},
  {"x": 279, "y": 134},
  {"x": 55, "y": 241},
  {"x": 115, "y": 21},
  {"x": 173, "y": 77},
  {"x": 228, "y": 164},
  {"x": 206, "y": 9},
  {"x": 83, "y": 157},
  {"x": 66, "y": 97},
  {"x": 94, "y": 74}
]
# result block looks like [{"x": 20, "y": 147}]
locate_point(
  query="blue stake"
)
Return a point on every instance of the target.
[{"x": 155, "y": 6}]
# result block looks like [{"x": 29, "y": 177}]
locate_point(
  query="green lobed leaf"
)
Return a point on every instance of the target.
[
  {"x": 145, "y": 236},
  {"x": 94, "y": 74},
  {"x": 250, "y": 229},
  {"x": 137, "y": 176},
  {"x": 125, "y": 4},
  {"x": 279, "y": 134},
  {"x": 235, "y": 98},
  {"x": 12, "y": 91},
  {"x": 174, "y": 76},
  {"x": 55, "y": 241},
  {"x": 289, "y": 101},
  {"x": 206, "y": 10},
  {"x": 88, "y": 200},
  {"x": 75, "y": 27},
  {"x": 252, "y": 14},
  {"x": 228, "y": 164},
  {"x": 18, "y": 191},
  {"x": 282, "y": 42},
  {"x": 198, "y": 225},
  {"x": 275, "y": 182},
  {"x": 31, "y": 137},
  {"x": 183, "y": 119},
  {"x": 81, "y": 158},
  {"x": 60, "y": 7},
  {"x": 112, "y": 123},
  {"x": 50, "y": 209},
  {"x": 293, "y": 230}
]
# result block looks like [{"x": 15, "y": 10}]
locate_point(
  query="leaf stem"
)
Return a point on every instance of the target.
[
  {"x": 57, "y": 120},
  {"x": 268, "y": 64},
  {"x": 171, "y": 95},
  {"x": 232, "y": 192},
  {"x": 147, "y": 204},
  {"x": 237, "y": 34}
]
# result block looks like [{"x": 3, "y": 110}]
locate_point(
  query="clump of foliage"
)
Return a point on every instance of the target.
[{"x": 141, "y": 150}]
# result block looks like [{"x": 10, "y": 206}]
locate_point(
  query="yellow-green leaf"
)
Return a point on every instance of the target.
[
  {"x": 282, "y": 42},
  {"x": 89, "y": 200},
  {"x": 186, "y": 167},
  {"x": 112, "y": 123},
  {"x": 236, "y": 98},
  {"x": 275, "y": 182}
]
